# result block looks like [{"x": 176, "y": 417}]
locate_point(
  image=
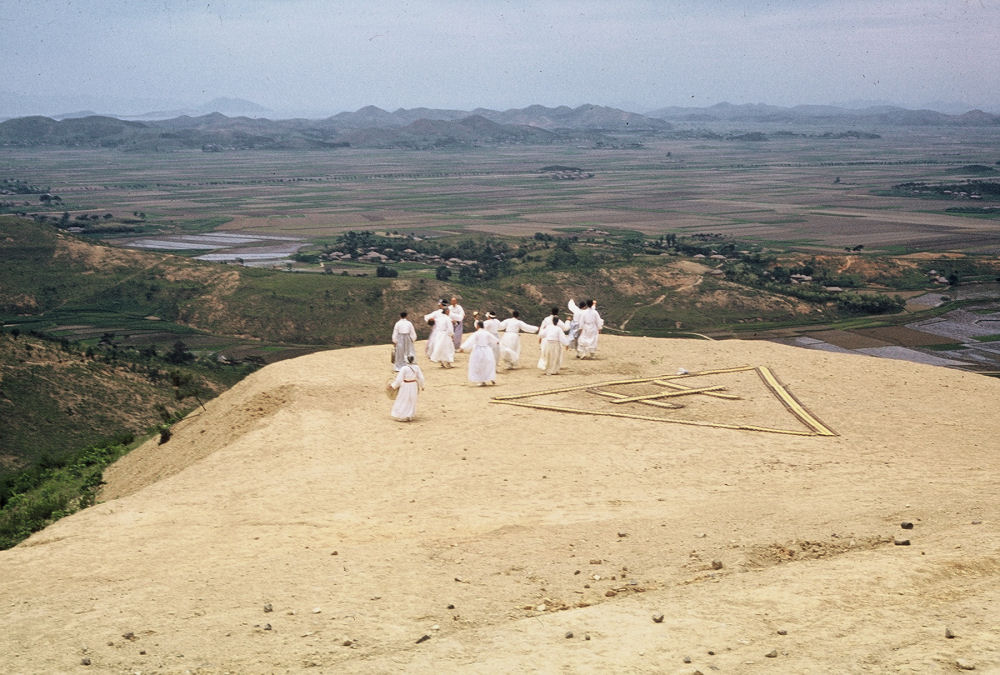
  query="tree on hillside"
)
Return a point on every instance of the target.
[{"x": 179, "y": 354}]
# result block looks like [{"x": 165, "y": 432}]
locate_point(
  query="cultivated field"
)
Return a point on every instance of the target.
[{"x": 806, "y": 193}]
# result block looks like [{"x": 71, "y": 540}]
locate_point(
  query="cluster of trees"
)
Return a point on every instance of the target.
[
  {"x": 757, "y": 270},
  {"x": 16, "y": 186},
  {"x": 983, "y": 189},
  {"x": 485, "y": 259}
]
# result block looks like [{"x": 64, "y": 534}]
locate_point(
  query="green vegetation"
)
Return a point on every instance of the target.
[
  {"x": 33, "y": 498},
  {"x": 970, "y": 189}
]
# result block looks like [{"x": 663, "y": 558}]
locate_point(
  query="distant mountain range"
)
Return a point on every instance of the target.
[
  {"x": 886, "y": 115},
  {"x": 426, "y": 128}
]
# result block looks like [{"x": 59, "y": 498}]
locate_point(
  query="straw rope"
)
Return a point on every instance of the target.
[
  {"x": 794, "y": 406},
  {"x": 658, "y": 404}
]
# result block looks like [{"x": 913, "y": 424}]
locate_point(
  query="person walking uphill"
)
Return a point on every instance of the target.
[
  {"x": 404, "y": 335},
  {"x": 409, "y": 381}
]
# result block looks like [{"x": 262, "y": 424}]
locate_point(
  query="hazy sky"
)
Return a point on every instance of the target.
[{"x": 320, "y": 57}]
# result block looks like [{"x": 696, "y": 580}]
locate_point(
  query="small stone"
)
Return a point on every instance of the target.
[
  {"x": 423, "y": 638},
  {"x": 436, "y": 627},
  {"x": 267, "y": 626},
  {"x": 687, "y": 659},
  {"x": 317, "y": 610},
  {"x": 716, "y": 564},
  {"x": 335, "y": 553},
  {"x": 906, "y": 525},
  {"x": 85, "y": 661},
  {"x": 948, "y": 633},
  {"x": 977, "y": 522},
  {"x": 268, "y": 608},
  {"x": 623, "y": 534},
  {"x": 782, "y": 632},
  {"x": 569, "y": 634},
  {"x": 142, "y": 652},
  {"x": 711, "y": 652},
  {"x": 965, "y": 665},
  {"x": 901, "y": 542},
  {"x": 657, "y": 618},
  {"x": 451, "y": 606},
  {"x": 586, "y": 636},
  {"x": 610, "y": 593},
  {"x": 347, "y": 642},
  {"x": 773, "y": 654}
]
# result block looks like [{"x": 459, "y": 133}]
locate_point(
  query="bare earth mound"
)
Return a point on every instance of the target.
[{"x": 294, "y": 526}]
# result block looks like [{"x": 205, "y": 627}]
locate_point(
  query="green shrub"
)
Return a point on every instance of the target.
[{"x": 32, "y": 499}]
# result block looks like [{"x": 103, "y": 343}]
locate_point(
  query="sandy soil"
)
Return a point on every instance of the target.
[{"x": 293, "y": 526}]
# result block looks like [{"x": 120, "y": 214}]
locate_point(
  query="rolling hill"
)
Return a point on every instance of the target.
[{"x": 294, "y": 526}]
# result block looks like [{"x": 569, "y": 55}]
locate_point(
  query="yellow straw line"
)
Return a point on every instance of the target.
[
  {"x": 717, "y": 425},
  {"x": 612, "y": 383},
  {"x": 658, "y": 404},
  {"x": 666, "y": 394},
  {"x": 816, "y": 427},
  {"x": 792, "y": 404},
  {"x": 681, "y": 387}
]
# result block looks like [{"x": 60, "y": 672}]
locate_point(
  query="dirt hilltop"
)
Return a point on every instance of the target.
[{"x": 293, "y": 526}]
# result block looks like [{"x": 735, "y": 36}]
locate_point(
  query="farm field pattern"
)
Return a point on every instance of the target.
[{"x": 804, "y": 193}]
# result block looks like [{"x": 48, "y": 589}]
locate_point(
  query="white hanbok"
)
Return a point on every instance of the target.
[
  {"x": 404, "y": 335},
  {"x": 547, "y": 323},
  {"x": 482, "y": 363},
  {"x": 409, "y": 381},
  {"x": 440, "y": 347},
  {"x": 510, "y": 342},
  {"x": 492, "y": 327},
  {"x": 591, "y": 324},
  {"x": 553, "y": 340}
]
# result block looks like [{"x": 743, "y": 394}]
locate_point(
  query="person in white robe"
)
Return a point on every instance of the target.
[
  {"x": 457, "y": 314},
  {"x": 482, "y": 363},
  {"x": 409, "y": 382},
  {"x": 492, "y": 326},
  {"x": 441, "y": 348},
  {"x": 547, "y": 322},
  {"x": 554, "y": 340},
  {"x": 404, "y": 335},
  {"x": 510, "y": 341},
  {"x": 574, "y": 322},
  {"x": 591, "y": 324}
]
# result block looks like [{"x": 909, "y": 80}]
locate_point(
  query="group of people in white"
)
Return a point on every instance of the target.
[{"x": 494, "y": 342}]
